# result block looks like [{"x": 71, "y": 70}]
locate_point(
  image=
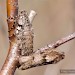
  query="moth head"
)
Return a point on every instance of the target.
[{"x": 22, "y": 17}]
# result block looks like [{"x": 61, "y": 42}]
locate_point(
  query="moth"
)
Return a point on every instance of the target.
[{"x": 24, "y": 34}]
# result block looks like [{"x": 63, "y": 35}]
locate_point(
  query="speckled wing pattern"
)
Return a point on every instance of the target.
[{"x": 24, "y": 34}]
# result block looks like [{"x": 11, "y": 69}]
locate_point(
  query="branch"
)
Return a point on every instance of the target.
[
  {"x": 44, "y": 56},
  {"x": 11, "y": 61}
]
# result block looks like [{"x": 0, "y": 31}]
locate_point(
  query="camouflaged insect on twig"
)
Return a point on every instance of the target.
[
  {"x": 39, "y": 59},
  {"x": 24, "y": 34}
]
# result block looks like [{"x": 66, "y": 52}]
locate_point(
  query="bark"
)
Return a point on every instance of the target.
[{"x": 11, "y": 61}]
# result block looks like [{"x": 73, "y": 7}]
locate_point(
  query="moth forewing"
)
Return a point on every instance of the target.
[{"x": 24, "y": 34}]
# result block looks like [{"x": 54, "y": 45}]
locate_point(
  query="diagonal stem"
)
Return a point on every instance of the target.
[{"x": 57, "y": 43}]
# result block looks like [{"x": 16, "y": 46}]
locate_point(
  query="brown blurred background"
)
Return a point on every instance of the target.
[{"x": 55, "y": 19}]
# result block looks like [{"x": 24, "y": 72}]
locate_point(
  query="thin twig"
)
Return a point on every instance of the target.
[
  {"x": 57, "y": 43},
  {"x": 32, "y": 15}
]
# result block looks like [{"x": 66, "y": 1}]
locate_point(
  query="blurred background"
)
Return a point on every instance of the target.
[{"x": 55, "y": 19}]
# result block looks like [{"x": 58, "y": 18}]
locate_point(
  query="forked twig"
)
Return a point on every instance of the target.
[{"x": 43, "y": 56}]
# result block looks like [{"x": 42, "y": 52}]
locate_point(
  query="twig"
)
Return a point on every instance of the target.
[
  {"x": 57, "y": 43},
  {"x": 63, "y": 40},
  {"x": 44, "y": 56},
  {"x": 32, "y": 15}
]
